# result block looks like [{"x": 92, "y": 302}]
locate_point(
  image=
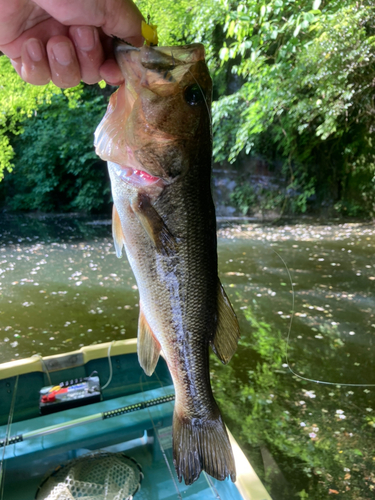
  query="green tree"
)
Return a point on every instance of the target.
[
  {"x": 293, "y": 83},
  {"x": 55, "y": 157},
  {"x": 18, "y": 102},
  {"x": 307, "y": 94}
]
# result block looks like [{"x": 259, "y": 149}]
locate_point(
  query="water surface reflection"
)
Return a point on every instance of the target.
[{"x": 62, "y": 287}]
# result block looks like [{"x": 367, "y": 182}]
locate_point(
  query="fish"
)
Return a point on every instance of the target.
[{"x": 157, "y": 139}]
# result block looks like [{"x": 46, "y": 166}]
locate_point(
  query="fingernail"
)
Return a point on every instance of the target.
[
  {"x": 85, "y": 38},
  {"x": 34, "y": 50},
  {"x": 62, "y": 53}
]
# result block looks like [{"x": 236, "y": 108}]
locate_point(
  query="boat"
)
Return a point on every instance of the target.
[{"x": 124, "y": 414}]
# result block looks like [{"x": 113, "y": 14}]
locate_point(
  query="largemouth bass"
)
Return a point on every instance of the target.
[{"x": 156, "y": 137}]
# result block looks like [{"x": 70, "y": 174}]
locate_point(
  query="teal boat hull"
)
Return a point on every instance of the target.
[{"x": 134, "y": 417}]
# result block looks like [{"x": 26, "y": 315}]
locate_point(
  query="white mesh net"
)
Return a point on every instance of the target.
[{"x": 98, "y": 476}]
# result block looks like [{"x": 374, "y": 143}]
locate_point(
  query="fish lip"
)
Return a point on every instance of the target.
[
  {"x": 127, "y": 58},
  {"x": 121, "y": 46},
  {"x": 138, "y": 59},
  {"x": 136, "y": 177}
]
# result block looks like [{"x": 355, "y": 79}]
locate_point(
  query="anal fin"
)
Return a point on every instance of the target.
[
  {"x": 154, "y": 225},
  {"x": 224, "y": 343},
  {"x": 148, "y": 347},
  {"x": 117, "y": 233}
]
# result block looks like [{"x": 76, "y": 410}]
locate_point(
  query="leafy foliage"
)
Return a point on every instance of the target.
[
  {"x": 293, "y": 84},
  {"x": 307, "y": 94},
  {"x": 18, "y": 102},
  {"x": 56, "y": 168},
  {"x": 293, "y": 81}
]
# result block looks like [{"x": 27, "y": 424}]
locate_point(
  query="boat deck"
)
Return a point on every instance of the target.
[
  {"x": 143, "y": 431},
  {"x": 28, "y": 461}
]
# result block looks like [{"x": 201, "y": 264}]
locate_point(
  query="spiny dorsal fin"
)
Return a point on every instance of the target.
[
  {"x": 148, "y": 347},
  {"x": 225, "y": 340},
  {"x": 118, "y": 235}
]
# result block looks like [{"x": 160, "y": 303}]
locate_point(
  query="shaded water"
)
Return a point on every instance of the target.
[{"x": 62, "y": 287}]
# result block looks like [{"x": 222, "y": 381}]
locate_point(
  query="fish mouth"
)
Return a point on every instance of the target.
[
  {"x": 135, "y": 177},
  {"x": 114, "y": 143},
  {"x": 130, "y": 136},
  {"x": 127, "y": 58},
  {"x": 164, "y": 63}
]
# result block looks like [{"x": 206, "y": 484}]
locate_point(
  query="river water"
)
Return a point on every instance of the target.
[{"x": 298, "y": 394}]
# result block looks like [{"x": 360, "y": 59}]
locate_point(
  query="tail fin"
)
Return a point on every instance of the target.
[{"x": 202, "y": 445}]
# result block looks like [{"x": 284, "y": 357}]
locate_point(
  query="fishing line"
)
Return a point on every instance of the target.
[
  {"x": 205, "y": 101},
  {"x": 7, "y": 436},
  {"x": 287, "y": 344},
  {"x": 203, "y": 95},
  {"x": 160, "y": 445},
  {"x": 110, "y": 365},
  {"x": 45, "y": 368},
  {"x": 161, "y": 383},
  {"x": 211, "y": 485}
]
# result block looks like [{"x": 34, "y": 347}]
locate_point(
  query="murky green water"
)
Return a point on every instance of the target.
[{"x": 285, "y": 394}]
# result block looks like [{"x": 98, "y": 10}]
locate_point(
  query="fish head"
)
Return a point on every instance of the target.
[{"x": 160, "y": 118}]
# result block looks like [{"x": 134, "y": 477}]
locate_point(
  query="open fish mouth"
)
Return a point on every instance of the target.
[{"x": 136, "y": 177}]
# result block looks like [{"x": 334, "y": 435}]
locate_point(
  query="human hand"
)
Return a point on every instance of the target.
[{"x": 67, "y": 41}]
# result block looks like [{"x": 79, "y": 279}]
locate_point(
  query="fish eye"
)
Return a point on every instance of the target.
[{"x": 193, "y": 95}]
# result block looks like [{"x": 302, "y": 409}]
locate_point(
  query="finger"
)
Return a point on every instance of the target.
[
  {"x": 111, "y": 73},
  {"x": 89, "y": 51},
  {"x": 42, "y": 31},
  {"x": 17, "y": 65},
  {"x": 116, "y": 17},
  {"x": 35, "y": 67},
  {"x": 63, "y": 62}
]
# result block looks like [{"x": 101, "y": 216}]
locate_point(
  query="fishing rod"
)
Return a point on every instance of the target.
[{"x": 84, "y": 420}]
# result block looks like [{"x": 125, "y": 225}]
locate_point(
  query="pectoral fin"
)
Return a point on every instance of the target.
[
  {"x": 225, "y": 340},
  {"x": 154, "y": 225},
  {"x": 118, "y": 235},
  {"x": 148, "y": 347}
]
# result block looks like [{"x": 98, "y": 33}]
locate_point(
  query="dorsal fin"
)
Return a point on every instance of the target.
[
  {"x": 148, "y": 346},
  {"x": 117, "y": 233},
  {"x": 225, "y": 340}
]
